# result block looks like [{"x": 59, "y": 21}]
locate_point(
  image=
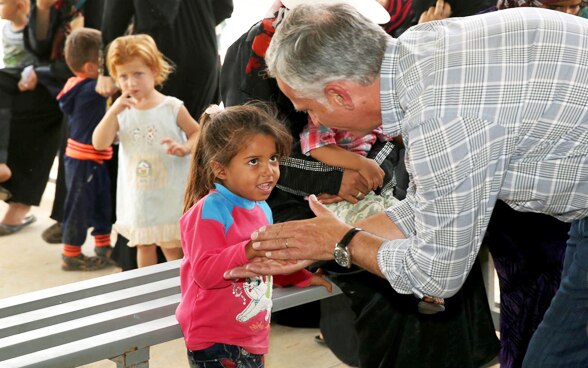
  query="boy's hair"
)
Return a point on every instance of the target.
[
  {"x": 82, "y": 46},
  {"x": 223, "y": 135},
  {"x": 124, "y": 49}
]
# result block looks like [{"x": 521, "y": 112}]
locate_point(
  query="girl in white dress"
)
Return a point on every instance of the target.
[{"x": 156, "y": 134}]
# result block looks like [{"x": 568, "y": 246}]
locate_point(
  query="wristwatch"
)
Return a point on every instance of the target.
[{"x": 341, "y": 254}]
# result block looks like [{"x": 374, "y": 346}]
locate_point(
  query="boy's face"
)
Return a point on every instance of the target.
[{"x": 8, "y": 9}]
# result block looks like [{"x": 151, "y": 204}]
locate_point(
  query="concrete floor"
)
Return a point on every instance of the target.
[{"x": 31, "y": 264}]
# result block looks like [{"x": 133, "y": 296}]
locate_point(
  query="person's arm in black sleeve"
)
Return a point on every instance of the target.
[
  {"x": 303, "y": 175},
  {"x": 40, "y": 44},
  {"x": 115, "y": 21},
  {"x": 93, "y": 10},
  {"x": 222, "y": 10}
]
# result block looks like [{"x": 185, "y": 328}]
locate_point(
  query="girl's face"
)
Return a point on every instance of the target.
[
  {"x": 136, "y": 78},
  {"x": 255, "y": 169}
]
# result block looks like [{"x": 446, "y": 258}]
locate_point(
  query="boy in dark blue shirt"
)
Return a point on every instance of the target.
[{"x": 88, "y": 202}]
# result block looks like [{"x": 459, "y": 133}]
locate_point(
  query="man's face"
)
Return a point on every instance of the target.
[{"x": 331, "y": 114}]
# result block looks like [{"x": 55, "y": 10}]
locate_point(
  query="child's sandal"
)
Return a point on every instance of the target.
[
  {"x": 106, "y": 254},
  {"x": 83, "y": 263}
]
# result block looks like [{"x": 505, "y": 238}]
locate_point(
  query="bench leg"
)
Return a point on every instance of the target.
[{"x": 137, "y": 358}]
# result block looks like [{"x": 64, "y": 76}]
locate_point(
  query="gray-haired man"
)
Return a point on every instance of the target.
[{"x": 490, "y": 107}]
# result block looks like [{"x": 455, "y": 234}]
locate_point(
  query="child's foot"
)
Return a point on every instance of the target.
[
  {"x": 106, "y": 254},
  {"x": 83, "y": 263}
]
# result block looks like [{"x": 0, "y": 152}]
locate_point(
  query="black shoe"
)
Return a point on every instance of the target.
[{"x": 52, "y": 234}]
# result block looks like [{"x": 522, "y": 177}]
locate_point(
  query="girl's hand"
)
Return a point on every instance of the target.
[
  {"x": 174, "y": 148},
  {"x": 372, "y": 173},
  {"x": 319, "y": 279},
  {"x": 125, "y": 101}
]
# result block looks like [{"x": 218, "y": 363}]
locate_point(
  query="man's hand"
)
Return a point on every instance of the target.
[
  {"x": 105, "y": 86},
  {"x": 303, "y": 240}
]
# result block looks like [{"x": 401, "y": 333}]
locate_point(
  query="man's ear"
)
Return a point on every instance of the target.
[
  {"x": 338, "y": 95},
  {"x": 218, "y": 170}
]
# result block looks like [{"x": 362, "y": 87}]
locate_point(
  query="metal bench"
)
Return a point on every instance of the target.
[{"x": 116, "y": 317}]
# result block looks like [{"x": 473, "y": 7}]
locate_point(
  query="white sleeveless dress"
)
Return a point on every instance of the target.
[{"x": 150, "y": 186}]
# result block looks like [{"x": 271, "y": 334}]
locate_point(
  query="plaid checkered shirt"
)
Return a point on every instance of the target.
[{"x": 490, "y": 107}]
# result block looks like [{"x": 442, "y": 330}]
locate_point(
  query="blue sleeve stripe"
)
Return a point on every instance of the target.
[{"x": 215, "y": 208}]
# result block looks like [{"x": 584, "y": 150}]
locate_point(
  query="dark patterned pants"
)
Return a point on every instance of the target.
[{"x": 224, "y": 356}]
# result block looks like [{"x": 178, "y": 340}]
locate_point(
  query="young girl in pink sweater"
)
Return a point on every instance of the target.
[{"x": 234, "y": 169}]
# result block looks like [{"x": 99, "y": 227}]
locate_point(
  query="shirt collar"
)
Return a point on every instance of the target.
[
  {"x": 233, "y": 198},
  {"x": 392, "y": 112}
]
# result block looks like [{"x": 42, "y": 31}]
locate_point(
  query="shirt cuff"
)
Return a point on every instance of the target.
[
  {"x": 391, "y": 263},
  {"x": 402, "y": 214}
]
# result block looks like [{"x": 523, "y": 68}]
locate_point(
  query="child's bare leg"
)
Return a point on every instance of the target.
[
  {"x": 172, "y": 254},
  {"x": 16, "y": 213},
  {"x": 146, "y": 255},
  {"x": 5, "y": 173}
]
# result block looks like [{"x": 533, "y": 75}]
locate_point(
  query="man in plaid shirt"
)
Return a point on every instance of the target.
[{"x": 490, "y": 107}]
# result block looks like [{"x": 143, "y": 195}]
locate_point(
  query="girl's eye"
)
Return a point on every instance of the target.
[
  {"x": 274, "y": 158},
  {"x": 253, "y": 162}
]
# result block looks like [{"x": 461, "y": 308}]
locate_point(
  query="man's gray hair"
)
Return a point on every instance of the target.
[{"x": 317, "y": 44}]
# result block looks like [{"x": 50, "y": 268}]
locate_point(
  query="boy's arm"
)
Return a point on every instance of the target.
[{"x": 336, "y": 156}]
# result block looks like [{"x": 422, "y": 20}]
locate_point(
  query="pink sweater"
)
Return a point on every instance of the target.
[{"x": 214, "y": 310}]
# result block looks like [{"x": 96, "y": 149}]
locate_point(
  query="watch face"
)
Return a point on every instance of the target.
[{"x": 342, "y": 257}]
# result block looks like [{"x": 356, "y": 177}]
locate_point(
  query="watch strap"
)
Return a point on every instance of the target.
[{"x": 348, "y": 236}]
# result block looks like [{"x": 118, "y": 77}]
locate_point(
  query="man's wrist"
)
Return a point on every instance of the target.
[{"x": 341, "y": 253}]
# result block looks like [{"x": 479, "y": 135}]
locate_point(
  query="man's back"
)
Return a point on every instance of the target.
[{"x": 522, "y": 86}]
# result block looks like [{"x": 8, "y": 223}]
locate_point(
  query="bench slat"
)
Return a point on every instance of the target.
[
  {"x": 83, "y": 289},
  {"x": 99, "y": 347},
  {"x": 78, "y": 329},
  {"x": 62, "y": 312},
  {"x": 105, "y": 317}
]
